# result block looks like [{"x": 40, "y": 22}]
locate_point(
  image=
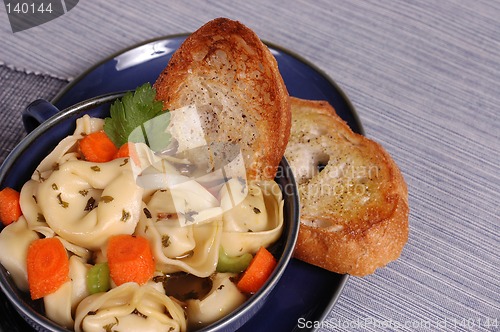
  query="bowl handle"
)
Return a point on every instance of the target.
[{"x": 36, "y": 113}]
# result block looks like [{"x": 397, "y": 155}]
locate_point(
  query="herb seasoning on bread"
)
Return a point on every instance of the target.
[
  {"x": 354, "y": 200},
  {"x": 233, "y": 79}
]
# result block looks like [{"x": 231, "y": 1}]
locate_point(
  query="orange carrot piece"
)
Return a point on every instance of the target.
[
  {"x": 259, "y": 270},
  {"x": 130, "y": 259},
  {"x": 10, "y": 210},
  {"x": 123, "y": 151},
  {"x": 127, "y": 150},
  {"x": 97, "y": 147},
  {"x": 47, "y": 265}
]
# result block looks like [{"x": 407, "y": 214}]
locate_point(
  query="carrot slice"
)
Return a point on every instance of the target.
[
  {"x": 130, "y": 259},
  {"x": 10, "y": 210},
  {"x": 127, "y": 150},
  {"x": 123, "y": 151},
  {"x": 97, "y": 147},
  {"x": 47, "y": 265},
  {"x": 259, "y": 270}
]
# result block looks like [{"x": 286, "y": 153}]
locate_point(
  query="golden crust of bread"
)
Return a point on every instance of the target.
[
  {"x": 231, "y": 76},
  {"x": 354, "y": 212}
]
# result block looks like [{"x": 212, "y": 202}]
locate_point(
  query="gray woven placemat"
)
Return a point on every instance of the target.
[{"x": 17, "y": 90}]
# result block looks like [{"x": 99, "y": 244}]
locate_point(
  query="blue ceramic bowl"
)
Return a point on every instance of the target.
[{"x": 46, "y": 126}]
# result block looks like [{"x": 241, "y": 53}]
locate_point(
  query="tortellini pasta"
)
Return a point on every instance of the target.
[
  {"x": 60, "y": 306},
  {"x": 193, "y": 249},
  {"x": 223, "y": 298},
  {"x": 32, "y": 211},
  {"x": 257, "y": 221},
  {"x": 186, "y": 216},
  {"x": 86, "y": 202},
  {"x": 130, "y": 307},
  {"x": 14, "y": 241}
]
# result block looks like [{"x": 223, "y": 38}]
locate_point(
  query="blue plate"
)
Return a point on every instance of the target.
[{"x": 305, "y": 292}]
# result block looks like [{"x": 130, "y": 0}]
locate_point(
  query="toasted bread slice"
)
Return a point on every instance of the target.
[
  {"x": 232, "y": 78},
  {"x": 354, "y": 200}
]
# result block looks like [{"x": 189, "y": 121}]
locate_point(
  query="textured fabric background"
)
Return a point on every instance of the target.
[{"x": 424, "y": 77}]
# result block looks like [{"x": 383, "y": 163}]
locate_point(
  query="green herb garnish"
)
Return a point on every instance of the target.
[
  {"x": 132, "y": 111},
  {"x": 125, "y": 216},
  {"x": 61, "y": 202},
  {"x": 91, "y": 204},
  {"x": 107, "y": 199},
  {"x": 165, "y": 241}
]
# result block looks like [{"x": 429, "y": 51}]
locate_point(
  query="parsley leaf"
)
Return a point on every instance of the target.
[{"x": 131, "y": 112}]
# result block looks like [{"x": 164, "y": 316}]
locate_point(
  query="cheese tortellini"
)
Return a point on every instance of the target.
[
  {"x": 256, "y": 222},
  {"x": 130, "y": 307},
  {"x": 187, "y": 217},
  {"x": 14, "y": 242},
  {"x": 60, "y": 306},
  {"x": 221, "y": 300}
]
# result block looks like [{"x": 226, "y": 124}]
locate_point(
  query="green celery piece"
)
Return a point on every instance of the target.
[
  {"x": 232, "y": 264},
  {"x": 98, "y": 278}
]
